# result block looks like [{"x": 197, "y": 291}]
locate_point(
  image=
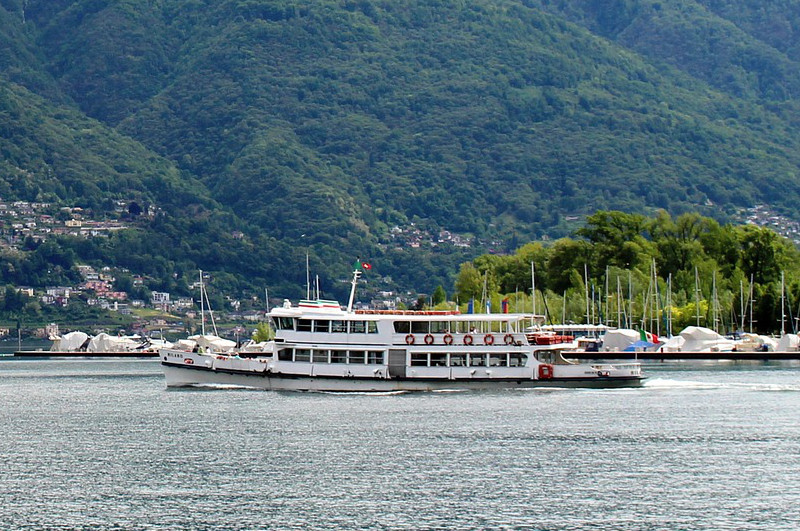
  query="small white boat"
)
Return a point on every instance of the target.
[{"x": 319, "y": 346}]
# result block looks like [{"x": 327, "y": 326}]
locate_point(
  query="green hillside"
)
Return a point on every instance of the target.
[{"x": 319, "y": 126}]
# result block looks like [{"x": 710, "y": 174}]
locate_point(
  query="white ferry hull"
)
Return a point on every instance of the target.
[{"x": 198, "y": 376}]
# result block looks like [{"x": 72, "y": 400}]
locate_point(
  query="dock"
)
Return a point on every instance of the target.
[
  {"x": 45, "y": 354},
  {"x": 663, "y": 356}
]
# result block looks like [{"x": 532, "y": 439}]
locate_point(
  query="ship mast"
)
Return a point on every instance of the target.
[{"x": 356, "y": 276}]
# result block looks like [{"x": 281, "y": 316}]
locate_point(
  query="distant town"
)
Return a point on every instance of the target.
[{"x": 20, "y": 220}]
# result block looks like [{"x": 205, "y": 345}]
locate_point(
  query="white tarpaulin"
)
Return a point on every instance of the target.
[
  {"x": 620, "y": 339},
  {"x": 69, "y": 342},
  {"x": 788, "y": 343},
  {"x": 105, "y": 343},
  {"x": 700, "y": 339}
]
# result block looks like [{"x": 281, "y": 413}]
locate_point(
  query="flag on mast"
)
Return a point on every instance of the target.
[{"x": 358, "y": 265}]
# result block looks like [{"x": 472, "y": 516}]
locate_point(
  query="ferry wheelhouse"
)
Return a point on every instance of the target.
[{"x": 320, "y": 346}]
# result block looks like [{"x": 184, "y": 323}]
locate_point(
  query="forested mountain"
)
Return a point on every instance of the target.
[{"x": 320, "y": 125}]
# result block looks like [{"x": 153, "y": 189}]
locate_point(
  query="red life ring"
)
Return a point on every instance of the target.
[
  {"x": 428, "y": 339},
  {"x": 508, "y": 339},
  {"x": 188, "y": 361},
  {"x": 410, "y": 339},
  {"x": 488, "y": 339},
  {"x": 468, "y": 339},
  {"x": 448, "y": 339},
  {"x": 545, "y": 371}
]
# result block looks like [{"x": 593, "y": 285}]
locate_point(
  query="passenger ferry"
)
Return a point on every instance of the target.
[{"x": 319, "y": 346}]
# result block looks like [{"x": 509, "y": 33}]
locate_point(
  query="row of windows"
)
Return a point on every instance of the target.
[
  {"x": 326, "y": 326},
  {"x": 370, "y": 357},
  {"x": 511, "y": 359},
  {"x": 445, "y": 327}
]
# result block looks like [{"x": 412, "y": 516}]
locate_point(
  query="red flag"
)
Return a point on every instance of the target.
[{"x": 366, "y": 266}]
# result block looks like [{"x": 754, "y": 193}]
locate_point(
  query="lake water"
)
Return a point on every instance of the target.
[{"x": 103, "y": 444}]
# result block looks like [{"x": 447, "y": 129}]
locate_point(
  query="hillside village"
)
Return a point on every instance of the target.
[{"x": 20, "y": 220}]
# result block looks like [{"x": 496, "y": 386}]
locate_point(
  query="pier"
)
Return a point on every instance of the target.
[
  {"x": 42, "y": 354},
  {"x": 743, "y": 355}
]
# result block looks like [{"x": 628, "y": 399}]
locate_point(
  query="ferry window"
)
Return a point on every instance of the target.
[
  {"x": 320, "y": 356},
  {"x": 419, "y": 359},
  {"x": 375, "y": 357},
  {"x": 356, "y": 356},
  {"x": 357, "y": 327},
  {"x": 372, "y": 327},
  {"x": 284, "y": 323},
  {"x": 338, "y": 356},
  {"x": 419, "y": 327},
  {"x": 338, "y": 327},
  {"x": 477, "y": 360},
  {"x": 322, "y": 326},
  {"x": 285, "y": 354},
  {"x": 438, "y": 360},
  {"x": 302, "y": 354},
  {"x": 458, "y": 360},
  {"x": 402, "y": 327},
  {"x": 440, "y": 327},
  {"x": 304, "y": 325},
  {"x": 517, "y": 360},
  {"x": 498, "y": 360}
]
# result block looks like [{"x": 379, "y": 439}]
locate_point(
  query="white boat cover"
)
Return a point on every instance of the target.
[
  {"x": 620, "y": 339},
  {"x": 700, "y": 339},
  {"x": 69, "y": 342},
  {"x": 103, "y": 342},
  {"x": 788, "y": 343}
]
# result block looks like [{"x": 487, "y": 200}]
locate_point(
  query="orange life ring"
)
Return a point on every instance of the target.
[
  {"x": 508, "y": 339},
  {"x": 428, "y": 339},
  {"x": 468, "y": 339},
  {"x": 545, "y": 371},
  {"x": 448, "y": 339},
  {"x": 410, "y": 339},
  {"x": 488, "y": 339},
  {"x": 188, "y": 361}
]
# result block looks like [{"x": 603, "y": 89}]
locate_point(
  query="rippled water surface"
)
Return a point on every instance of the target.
[{"x": 103, "y": 444}]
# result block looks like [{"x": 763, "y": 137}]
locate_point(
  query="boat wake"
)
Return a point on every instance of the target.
[{"x": 666, "y": 383}]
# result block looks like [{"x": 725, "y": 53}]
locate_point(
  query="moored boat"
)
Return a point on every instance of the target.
[{"x": 319, "y": 346}]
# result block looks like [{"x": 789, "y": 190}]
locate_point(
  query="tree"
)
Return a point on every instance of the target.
[
  {"x": 469, "y": 283},
  {"x": 439, "y": 295},
  {"x": 263, "y": 332}
]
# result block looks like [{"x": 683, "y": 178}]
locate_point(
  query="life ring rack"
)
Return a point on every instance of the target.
[{"x": 488, "y": 339}]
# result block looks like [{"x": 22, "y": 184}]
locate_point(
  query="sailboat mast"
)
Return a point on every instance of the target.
[
  {"x": 741, "y": 303},
  {"x": 630, "y": 300},
  {"x": 202, "y": 307},
  {"x": 697, "y": 295},
  {"x": 669, "y": 305},
  {"x": 586, "y": 289},
  {"x": 751, "y": 303},
  {"x": 605, "y": 316},
  {"x": 783, "y": 305},
  {"x": 619, "y": 304},
  {"x": 714, "y": 300}
]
